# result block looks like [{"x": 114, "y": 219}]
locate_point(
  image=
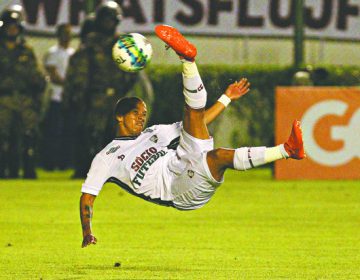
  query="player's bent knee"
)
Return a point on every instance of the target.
[
  {"x": 215, "y": 154},
  {"x": 222, "y": 158},
  {"x": 218, "y": 161}
]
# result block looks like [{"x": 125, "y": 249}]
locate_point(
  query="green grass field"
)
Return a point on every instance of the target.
[{"x": 253, "y": 228}]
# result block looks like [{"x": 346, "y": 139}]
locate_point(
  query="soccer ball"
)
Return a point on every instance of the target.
[{"x": 132, "y": 52}]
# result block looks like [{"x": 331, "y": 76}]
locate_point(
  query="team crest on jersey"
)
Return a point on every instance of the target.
[
  {"x": 190, "y": 173},
  {"x": 113, "y": 150},
  {"x": 154, "y": 138}
]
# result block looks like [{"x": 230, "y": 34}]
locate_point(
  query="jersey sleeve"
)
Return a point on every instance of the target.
[
  {"x": 178, "y": 125},
  {"x": 96, "y": 177},
  {"x": 168, "y": 128},
  {"x": 173, "y": 130}
]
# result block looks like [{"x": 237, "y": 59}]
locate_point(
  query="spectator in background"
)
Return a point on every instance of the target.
[
  {"x": 21, "y": 88},
  {"x": 302, "y": 78},
  {"x": 56, "y": 61},
  {"x": 93, "y": 83},
  {"x": 310, "y": 77}
]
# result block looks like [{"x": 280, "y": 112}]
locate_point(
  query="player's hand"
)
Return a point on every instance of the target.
[
  {"x": 237, "y": 89},
  {"x": 89, "y": 239}
]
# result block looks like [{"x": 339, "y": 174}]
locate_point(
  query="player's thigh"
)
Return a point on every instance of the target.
[
  {"x": 190, "y": 145},
  {"x": 195, "y": 186}
]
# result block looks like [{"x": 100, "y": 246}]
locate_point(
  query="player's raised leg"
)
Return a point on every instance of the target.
[
  {"x": 194, "y": 90},
  {"x": 246, "y": 158}
]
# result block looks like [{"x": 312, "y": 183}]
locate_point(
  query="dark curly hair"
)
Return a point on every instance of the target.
[{"x": 125, "y": 105}]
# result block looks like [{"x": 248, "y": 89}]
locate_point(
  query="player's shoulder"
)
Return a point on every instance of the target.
[
  {"x": 107, "y": 154},
  {"x": 150, "y": 129},
  {"x": 159, "y": 127},
  {"x": 109, "y": 149},
  {"x": 119, "y": 144}
]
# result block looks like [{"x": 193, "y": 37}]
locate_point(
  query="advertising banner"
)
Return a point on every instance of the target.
[
  {"x": 330, "y": 119},
  {"x": 335, "y": 19}
]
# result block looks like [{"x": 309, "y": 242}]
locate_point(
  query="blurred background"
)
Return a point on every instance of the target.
[
  {"x": 58, "y": 87},
  {"x": 271, "y": 42},
  {"x": 264, "y": 37},
  {"x": 231, "y": 32}
]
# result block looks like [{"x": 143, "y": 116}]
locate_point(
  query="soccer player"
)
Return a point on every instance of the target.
[{"x": 174, "y": 165}]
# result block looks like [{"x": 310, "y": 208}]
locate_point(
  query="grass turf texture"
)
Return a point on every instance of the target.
[{"x": 253, "y": 228}]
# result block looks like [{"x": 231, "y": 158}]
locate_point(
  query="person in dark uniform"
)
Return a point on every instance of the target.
[
  {"x": 93, "y": 83},
  {"x": 21, "y": 87}
]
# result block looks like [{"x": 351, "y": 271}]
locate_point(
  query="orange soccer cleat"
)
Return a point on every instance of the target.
[
  {"x": 175, "y": 40},
  {"x": 294, "y": 146}
]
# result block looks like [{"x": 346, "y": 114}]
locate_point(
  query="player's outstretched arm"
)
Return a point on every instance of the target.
[
  {"x": 233, "y": 92},
  {"x": 86, "y": 213}
]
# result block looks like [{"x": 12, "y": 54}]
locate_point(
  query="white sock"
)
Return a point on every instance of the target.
[
  {"x": 194, "y": 90},
  {"x": 189, "y": 69},
  {"x": 247, "y": 158},
  {"x": 275, "y": 153}
]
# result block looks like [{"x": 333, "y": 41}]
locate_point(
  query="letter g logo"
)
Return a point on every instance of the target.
[{"x": 349, "y": 134}]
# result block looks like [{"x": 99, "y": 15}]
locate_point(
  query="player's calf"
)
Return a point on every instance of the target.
[
  {"x": 246, "y": 158},
  {"x": 194, "y": 90}
]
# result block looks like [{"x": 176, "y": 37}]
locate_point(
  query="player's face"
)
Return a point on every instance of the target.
[{"x": 133, "y": 123}]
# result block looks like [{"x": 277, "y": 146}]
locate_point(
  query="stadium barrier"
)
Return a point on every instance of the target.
[{"x": 330, "y": 119}]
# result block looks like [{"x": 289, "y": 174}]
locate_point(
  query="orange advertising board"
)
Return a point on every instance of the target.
[{"x": 330, "y": 118}]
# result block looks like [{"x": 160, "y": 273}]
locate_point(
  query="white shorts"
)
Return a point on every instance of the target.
[{"x": 192, "y": 185}]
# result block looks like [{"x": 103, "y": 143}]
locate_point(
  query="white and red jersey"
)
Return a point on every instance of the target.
[
  {"x": 164, "y": 165},
  {"x": 137, "y": 164}
]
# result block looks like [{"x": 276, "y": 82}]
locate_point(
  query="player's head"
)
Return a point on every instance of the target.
[
  {"x": 130, "y": 113},
  {"x": 12, "y": 22},
  {"x": 63, "y": 33},
  {"x": 107, "y": 17}
]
